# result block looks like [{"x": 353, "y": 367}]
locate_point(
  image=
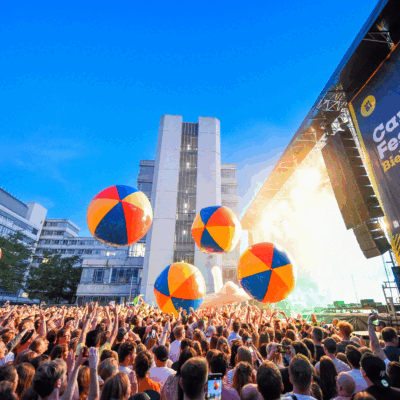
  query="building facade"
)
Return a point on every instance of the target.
[
  {"x": 188, "y": 176},
  {"x": 28, "y": 219}
]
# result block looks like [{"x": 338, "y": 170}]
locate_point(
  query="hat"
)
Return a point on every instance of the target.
[
  {"x": 210, "y": 331},
  {"x": 375, "y": 369},
  {"x": 161, "y": 353},
  {"x": 122, "y": 331}
]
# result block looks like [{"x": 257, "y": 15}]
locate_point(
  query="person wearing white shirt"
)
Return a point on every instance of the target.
[
  {"x": 330, "y": 351},
  {"x": 175, "y": 347},
  {"x": 235, "y": 333},
  {"x": 160, "y": 373},
  {"x": 126, "y": 356},
  {"x": 354, "y": 358}
]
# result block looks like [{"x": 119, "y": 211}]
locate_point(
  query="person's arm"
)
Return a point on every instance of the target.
[
  {"x": 165, "y": 334},
  {"x": 6, "y": 316},
  {"x": 13, "y": 343},
  {"x": 114, "y": 332},
  {"x": 94, "y": 380},
  {"x": 85, "y": 330},
  {"x": 42, "y": 329},
  {"x": 59, "y": 324},
  {"x": 194, "y": 314},
  {"x": 69, "y": 391},
  {"x": 375, "y": 346}
]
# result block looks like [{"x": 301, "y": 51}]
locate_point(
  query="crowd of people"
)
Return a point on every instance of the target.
[{"x": 140, "y": 353}]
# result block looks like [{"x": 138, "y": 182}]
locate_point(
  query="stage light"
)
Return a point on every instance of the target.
[
  {"x": 309, "y": 177},
  {"x": 273, "y": 215},
  {"x": 283, "y": 206}
]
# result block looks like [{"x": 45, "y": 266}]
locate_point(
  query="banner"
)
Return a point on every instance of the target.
[{"x": 376, "y": 115}]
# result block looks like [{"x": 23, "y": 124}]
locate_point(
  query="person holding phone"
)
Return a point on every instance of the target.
[{"x": 219, "y": 365}]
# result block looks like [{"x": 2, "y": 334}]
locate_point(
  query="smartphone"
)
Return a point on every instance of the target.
[
  {"x": 214, "y": 387},
  {"x": 282, "y": 349},
  {"x": 248, "y": 342},
  {"x": 153, "y": 334}
]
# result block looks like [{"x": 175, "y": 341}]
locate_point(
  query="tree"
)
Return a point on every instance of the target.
[
  {"x": 55, "y": 279},
  {"x": 14, "y": 262}
]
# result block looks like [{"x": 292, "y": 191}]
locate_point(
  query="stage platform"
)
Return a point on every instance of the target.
[{"x": 359, "y": 321}]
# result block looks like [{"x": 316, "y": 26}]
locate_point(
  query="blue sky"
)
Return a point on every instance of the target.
[{"x": 84, "y": 85}]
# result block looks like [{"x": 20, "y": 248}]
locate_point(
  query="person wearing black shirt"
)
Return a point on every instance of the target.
[
  {"x": 373, "y": 370},
  {"x": 391, "y": 340},
  {"x": 317, "y": 336}
]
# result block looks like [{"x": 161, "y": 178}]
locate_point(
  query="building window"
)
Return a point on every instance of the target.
[
  {"x": 88, "y": 251},
  {"x": 186, "y": 203},
  {"x": 98, "y": 275},
  {"x": 80, "y": 251},
  {"x": 72, "y": 242},
  {"x": 228, "y": 189},
  {"x": 146, "y": 170},
  {"x": 137, "y": 250},
  {"x": 63, "y": 251},
  {"x": 145, "y": 186},
  {"x": 56, "y": 242},
  {"x": 124, "y": 275},
  {"x": 70, "y": 251},
  {"x": 228, "y": 173}
]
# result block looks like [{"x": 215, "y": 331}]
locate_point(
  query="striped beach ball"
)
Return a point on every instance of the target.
[
  {"x": 119, "y": 215},
  {"x": 179, "y": 285},
  {"x": 266, "y": 272}
]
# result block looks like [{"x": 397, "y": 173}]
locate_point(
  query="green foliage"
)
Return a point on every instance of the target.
[
  {"x": 56, "y": 279},
  {"x": 14, "y": 262}
]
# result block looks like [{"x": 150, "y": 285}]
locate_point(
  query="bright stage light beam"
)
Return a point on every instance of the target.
[{"x": 309, "y": 178}]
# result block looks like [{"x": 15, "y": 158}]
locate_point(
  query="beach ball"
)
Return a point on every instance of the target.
[
  {"x": 119, "y": 215},
  {"x": 179, "y": 285},
  {"x": 266, "y": 272},
  {"x": 216, "y": 230}
]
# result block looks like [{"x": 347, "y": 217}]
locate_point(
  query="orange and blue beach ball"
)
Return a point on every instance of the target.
[
  {"x": 266, "y": 272},
  {"x": 179, "y": 285},
  {"x": 216, "y": 230},
  {"x": 119, "y": 215}
]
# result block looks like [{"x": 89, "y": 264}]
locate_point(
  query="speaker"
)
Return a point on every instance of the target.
[
  {"x": 350, "y": 201},
  {"x": 372, "y": 239},
  {"x": 350, "y": 182}
]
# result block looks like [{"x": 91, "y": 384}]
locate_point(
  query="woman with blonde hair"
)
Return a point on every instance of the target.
[{"x": 223, "y": 345}]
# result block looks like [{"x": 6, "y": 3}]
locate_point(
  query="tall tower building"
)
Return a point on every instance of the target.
[{"x": 187, "y": 177}]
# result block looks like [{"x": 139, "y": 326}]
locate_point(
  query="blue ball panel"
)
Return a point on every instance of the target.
[
  {"x": 162, "y": 282},
  {"x": 186, "y": 304},
  {"x": 124, "y": 191},
  {"x": 112, "y": 228},
  {"x": 206, "y": 213},
  {"x": 257, "y": 285},
  {"x": 279, "y": 258},
  {"x": 209, "y": 244}
]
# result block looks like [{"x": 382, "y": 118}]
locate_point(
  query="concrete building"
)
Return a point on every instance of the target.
[
  {"x": 187, "y": 177},
  {"x": 16, "y": 216}
]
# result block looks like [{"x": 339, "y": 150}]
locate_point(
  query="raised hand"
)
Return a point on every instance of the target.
[{"x": 93, "y": 358}]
